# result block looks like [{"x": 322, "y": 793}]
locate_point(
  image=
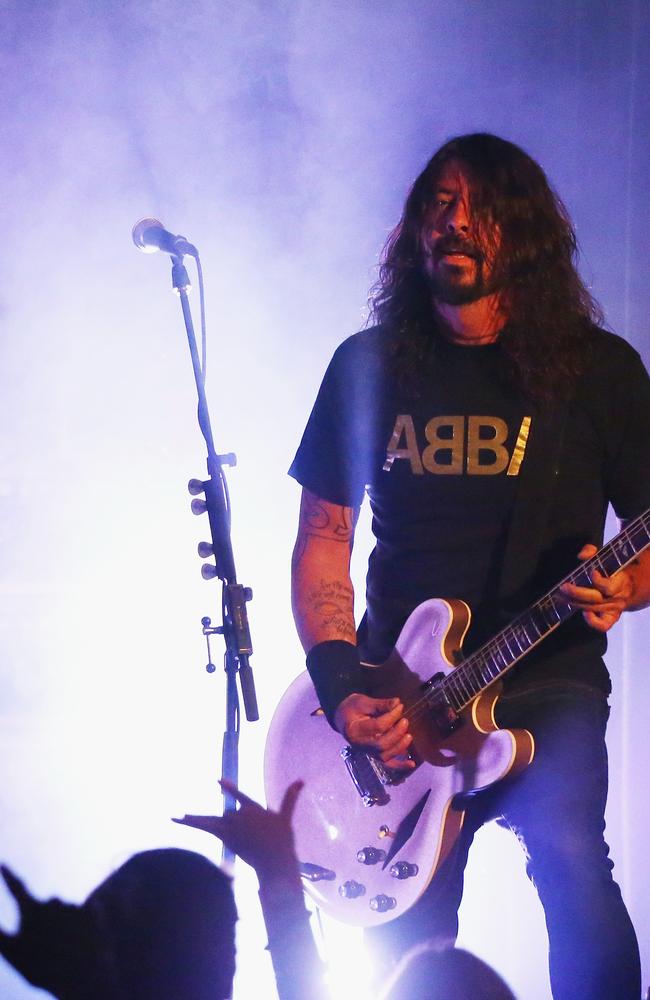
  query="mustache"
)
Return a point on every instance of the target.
[{"x": 455, "y": 244}]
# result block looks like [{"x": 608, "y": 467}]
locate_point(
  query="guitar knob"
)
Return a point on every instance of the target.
[
  {"x": 370, "y": 856},
  {"x": 382, "y": 903},
  {"x": 351, "y": 889},
  {"x": 403, "y": 869}
]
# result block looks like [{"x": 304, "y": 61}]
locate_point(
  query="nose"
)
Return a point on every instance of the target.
[{"x": 457, "y": 220}]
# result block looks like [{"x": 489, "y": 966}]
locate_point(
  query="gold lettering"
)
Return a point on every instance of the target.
[
  {"x": 520, "y": 448},
  {"x": 451, "y": 444},
  {"x": 404, "y": 426},
  {"x": 494, "y": 444}
]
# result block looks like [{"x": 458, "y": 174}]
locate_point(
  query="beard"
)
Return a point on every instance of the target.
[{"x": 455, "y": 286}]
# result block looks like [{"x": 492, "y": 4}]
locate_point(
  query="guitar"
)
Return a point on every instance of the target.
[{"x": 370, "y": 839}]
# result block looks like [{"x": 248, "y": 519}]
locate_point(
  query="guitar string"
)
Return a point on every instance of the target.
[{"x": 464, "y": 669}]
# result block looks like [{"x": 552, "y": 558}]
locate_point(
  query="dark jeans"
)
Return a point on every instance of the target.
[{"x": 556, "y": 809}]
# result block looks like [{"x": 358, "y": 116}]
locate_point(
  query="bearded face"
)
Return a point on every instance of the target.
[{"x": 458, "y": 256}]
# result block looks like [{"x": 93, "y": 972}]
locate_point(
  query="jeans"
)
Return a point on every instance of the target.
[{"x": 556, "y": 808}]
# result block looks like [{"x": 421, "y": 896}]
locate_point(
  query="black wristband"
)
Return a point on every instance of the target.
[{"x": 335, "y": 670}]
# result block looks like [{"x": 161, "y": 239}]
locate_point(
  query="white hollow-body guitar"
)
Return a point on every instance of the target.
[{"x": 369, "y": 840}]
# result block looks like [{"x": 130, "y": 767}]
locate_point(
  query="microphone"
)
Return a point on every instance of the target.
[{"x": 149, "y": 235}]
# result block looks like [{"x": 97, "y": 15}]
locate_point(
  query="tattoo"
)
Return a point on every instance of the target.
[
  {"x": 327, "y": 520},
  {"x": 323, "y": 520},
  {"x": 333, "y": 603}
]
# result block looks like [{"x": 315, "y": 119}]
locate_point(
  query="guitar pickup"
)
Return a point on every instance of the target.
[{"x": 368, "y": 776}]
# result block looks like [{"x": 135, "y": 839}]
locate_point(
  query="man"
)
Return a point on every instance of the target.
[{"x": 490, "y": 421}]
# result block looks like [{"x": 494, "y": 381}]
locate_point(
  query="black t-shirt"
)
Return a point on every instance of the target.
[{"x": 442, "y": 470}]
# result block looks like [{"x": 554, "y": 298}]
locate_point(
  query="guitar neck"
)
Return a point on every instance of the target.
[{"x": 504, "y": 650}]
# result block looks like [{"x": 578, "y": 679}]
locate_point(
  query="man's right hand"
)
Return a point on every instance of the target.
[{"x": 378, "y": 723}]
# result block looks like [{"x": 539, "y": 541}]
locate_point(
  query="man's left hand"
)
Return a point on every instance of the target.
[{"x": 603, "y": 603}]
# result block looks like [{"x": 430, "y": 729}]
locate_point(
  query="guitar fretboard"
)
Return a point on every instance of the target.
[{"x": 504, "y": 650}]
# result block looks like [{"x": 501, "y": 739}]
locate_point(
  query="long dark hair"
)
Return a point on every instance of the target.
[{"x": 549, "y": 310}]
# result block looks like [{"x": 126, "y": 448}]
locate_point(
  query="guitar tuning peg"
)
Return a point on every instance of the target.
[
  {"x": 198, "y": 506},
  {"x": 208, "y": 571},
  {"x": 205, "y": 550},
  {"x": 195, "y": 486}
]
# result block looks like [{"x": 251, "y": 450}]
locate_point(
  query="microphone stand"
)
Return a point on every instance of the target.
[{"x": 234, "y": 628}]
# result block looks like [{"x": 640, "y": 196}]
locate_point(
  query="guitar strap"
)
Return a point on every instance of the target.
[{"x": 534, "y": 502}]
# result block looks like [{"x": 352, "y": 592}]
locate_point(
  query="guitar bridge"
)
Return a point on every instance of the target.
[{"x": 368, "y": 776}]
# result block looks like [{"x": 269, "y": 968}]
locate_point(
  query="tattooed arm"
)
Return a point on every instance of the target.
[
  {"x": 323, "y": 607},
  {"x": 322, "y": 592}
]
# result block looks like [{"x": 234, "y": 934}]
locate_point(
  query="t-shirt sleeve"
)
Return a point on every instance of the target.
[
  {"x": 628, "y": 467},
  {"x": 334, "y": 456}
]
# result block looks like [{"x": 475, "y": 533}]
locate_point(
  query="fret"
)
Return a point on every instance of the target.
[
  {"x": 485, "y": 672},
  {"x": 640, "y": 533},
  {"x": 465, "y": 688},
  {"x": 564, "y": 610},
  {"x": 452, "y": 683},
  {"x": 513, "y": 656},
  {"x": 478, "y": 682},
  {"x": 639, "y": 538},
  {"x": 550, "y": 612},
  {"x": 521, "y": 635},
  {"x": 475, "y": 669},
  {"x": 501, "y": 652},
  {"x": 599, "y": 562},
  {"x": 514, "y": 633},
  {"x": 493, "y": 667},
  {"x": 505, "y": 657},
  {"x": 560, "y": 607},
  {"x": 613, "y": 551},
  {"x": 533, "y": 622},
  {"x": 623, "y": 550},
  {"x": 581, "y": 576}
]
